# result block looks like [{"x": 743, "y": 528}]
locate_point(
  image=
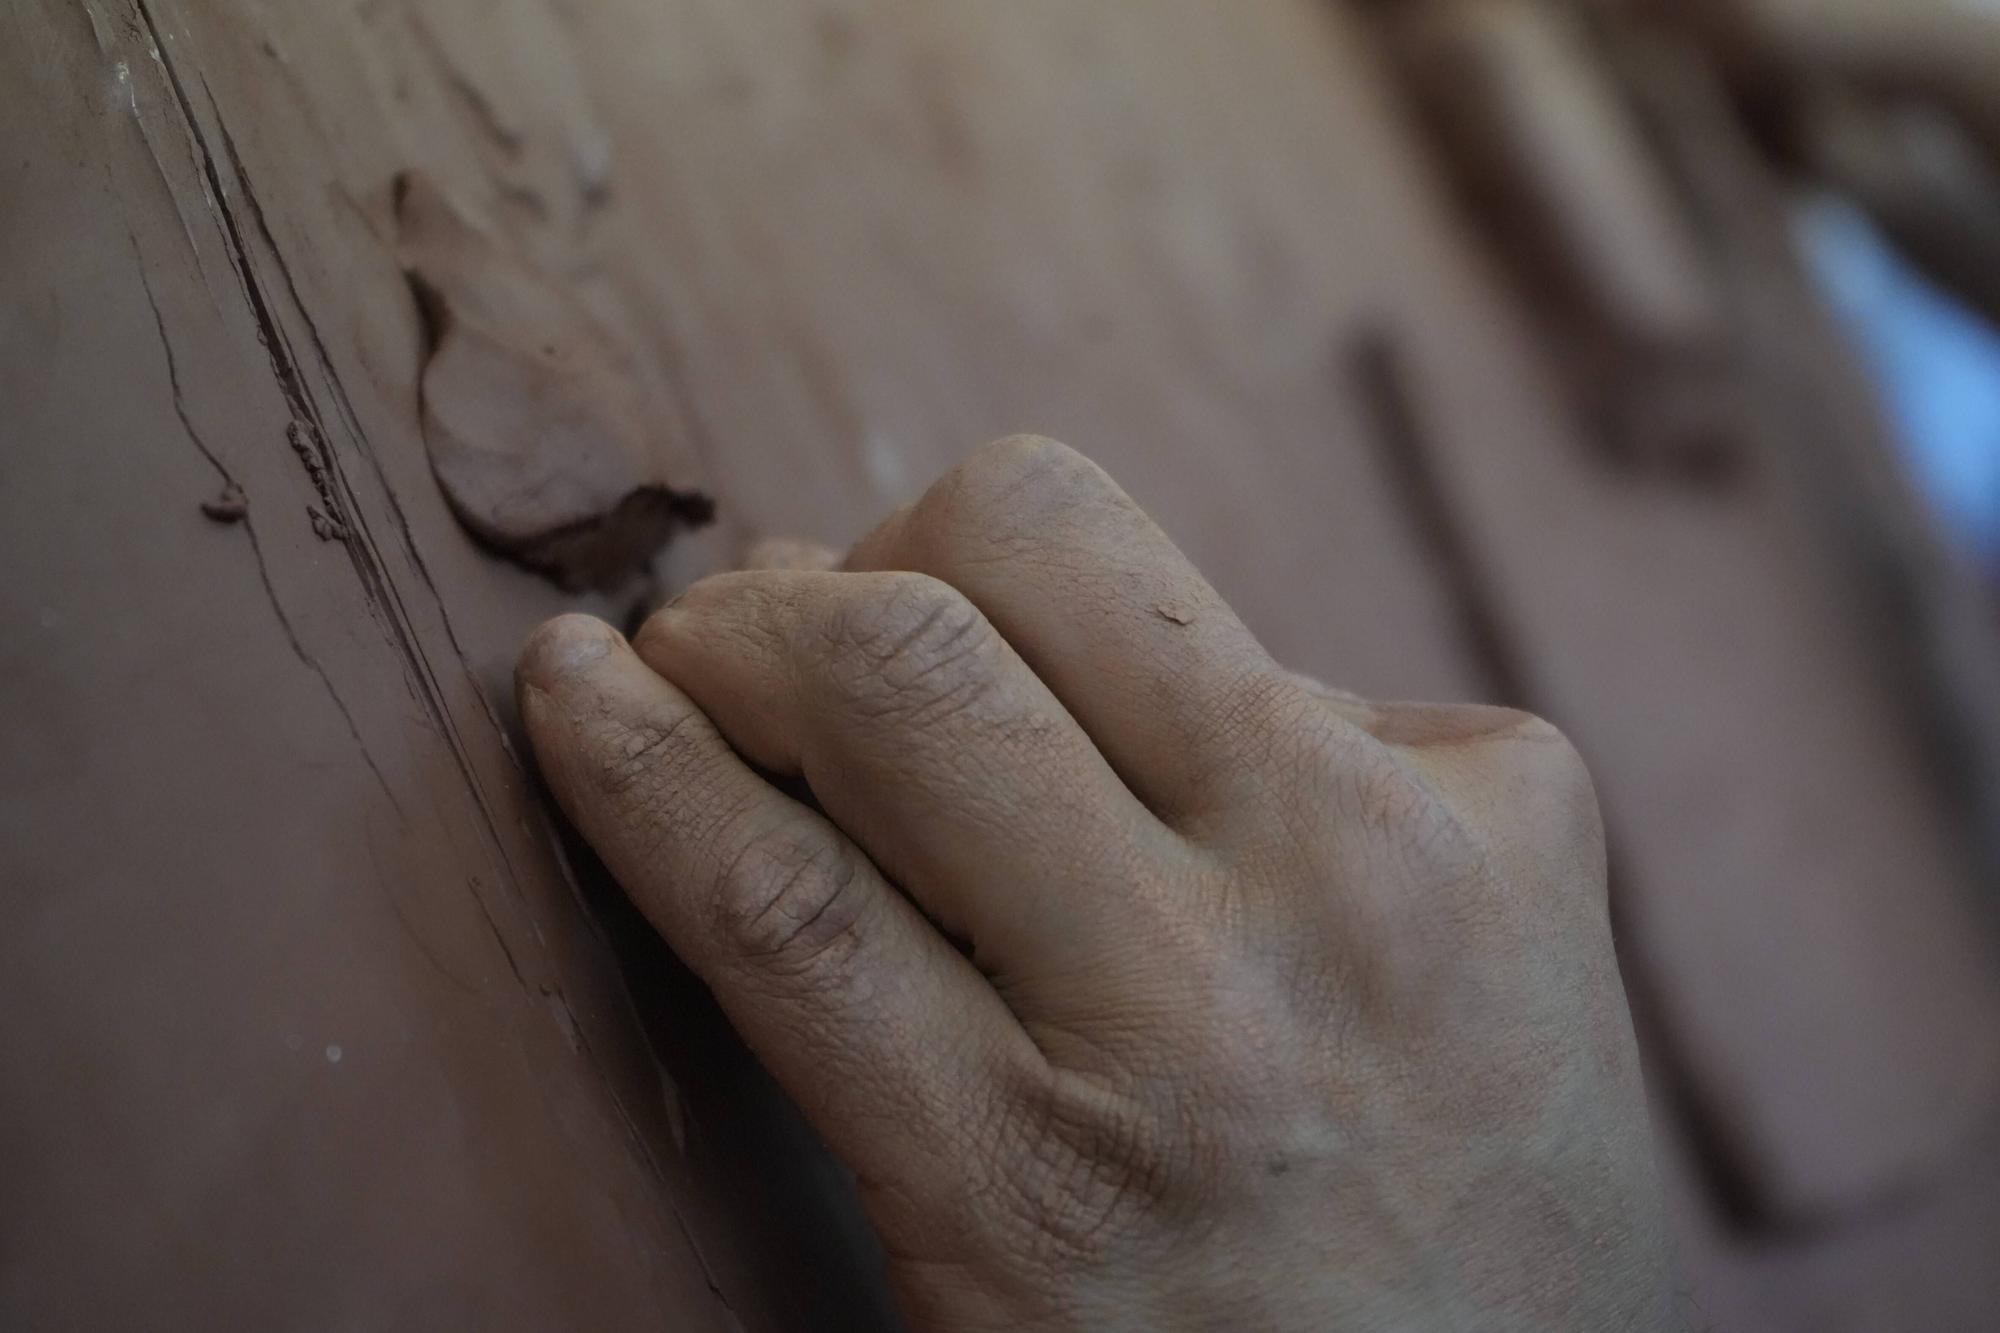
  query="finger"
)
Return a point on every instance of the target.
[
  {"x": 857, "y": 1005},
  {"x": 931, "y": 743},
  {"x": 1176, "y": 693}
]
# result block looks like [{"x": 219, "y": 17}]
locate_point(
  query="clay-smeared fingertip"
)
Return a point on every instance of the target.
[{"x": 562, "y": 647}]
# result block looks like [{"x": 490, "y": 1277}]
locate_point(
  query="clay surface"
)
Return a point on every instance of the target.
[
  {"x": 313, "y": 1018},
  {"x": 536, "y": 428}
]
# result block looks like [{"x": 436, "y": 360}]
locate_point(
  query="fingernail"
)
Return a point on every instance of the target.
[{"x": 562, "y": 647}]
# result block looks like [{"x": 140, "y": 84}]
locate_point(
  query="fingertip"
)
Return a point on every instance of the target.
[
  {"x": 661, "y": 642},
  {"x": 729, "y": 604},
  {"x": 651, "y": 639},
  {"x": 562, "y": 648}
]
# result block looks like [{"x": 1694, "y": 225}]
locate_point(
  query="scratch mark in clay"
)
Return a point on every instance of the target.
[{"x": 229, "y": 484}]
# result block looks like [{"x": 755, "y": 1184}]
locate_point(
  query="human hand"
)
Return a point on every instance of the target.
[{"x": 1140, "y": 982}]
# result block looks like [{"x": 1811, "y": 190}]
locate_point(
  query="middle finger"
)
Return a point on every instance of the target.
[{"x": 934, "y": 746}]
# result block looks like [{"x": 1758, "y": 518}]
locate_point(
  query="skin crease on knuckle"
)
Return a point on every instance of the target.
[
  {"x": 906, "y": 649},
  {"x": 1017, "y": 484},
  {"x": 787, "y": 902},
  {"x": 1369, "y": 1066},
  {"x": 657, "y": 783}
]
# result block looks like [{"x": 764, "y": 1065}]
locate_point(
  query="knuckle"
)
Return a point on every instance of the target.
[
  {"x": 1506, "y": 821},
  {"x": 790, "y": 901},
  {"x": 1383, "y": 812},
  {"x": 1008, "y": 494},
  {"x": 911, "y": 644},
  {"x": 1020, "y": 462},
  {"x": 657, "y": 780},
  {"x": 1545, "y": 782},
  {"x": 640, "y": 762},
  {"x": 1554, "y": 757},
  {"x": 1446, "y": 783}
]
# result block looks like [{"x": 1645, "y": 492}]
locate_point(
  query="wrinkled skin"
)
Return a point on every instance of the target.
[{"x": 1141, "y": 982}]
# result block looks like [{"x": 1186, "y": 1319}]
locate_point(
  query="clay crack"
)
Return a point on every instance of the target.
[
  {"x": 308, "y": 439},
  {"x": 173, "y": 368},
  {"x": 307, "y": 436},
  {"x": 270, "y": 333},
  {"x": 230, "y": 483}
]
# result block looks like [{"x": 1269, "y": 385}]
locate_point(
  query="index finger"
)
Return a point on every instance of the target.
[{"x": 857, "y": 1005}]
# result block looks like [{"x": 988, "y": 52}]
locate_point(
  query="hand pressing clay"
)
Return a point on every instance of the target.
[{"x": 536, "y": 429}]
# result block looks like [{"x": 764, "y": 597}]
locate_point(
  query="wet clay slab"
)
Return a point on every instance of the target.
[
  {"x": 317, "y": 1019},
  {"x": 322, "y": 1021}
]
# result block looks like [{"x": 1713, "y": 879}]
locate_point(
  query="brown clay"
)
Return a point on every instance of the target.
[{"x": 536, "y": 429}]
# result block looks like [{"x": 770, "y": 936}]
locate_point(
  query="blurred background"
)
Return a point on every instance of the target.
[
  {"x": 1761, "y": 243},
  {"x": 1632, "y": 361},
  {"x": 1760, "y": 239}
]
